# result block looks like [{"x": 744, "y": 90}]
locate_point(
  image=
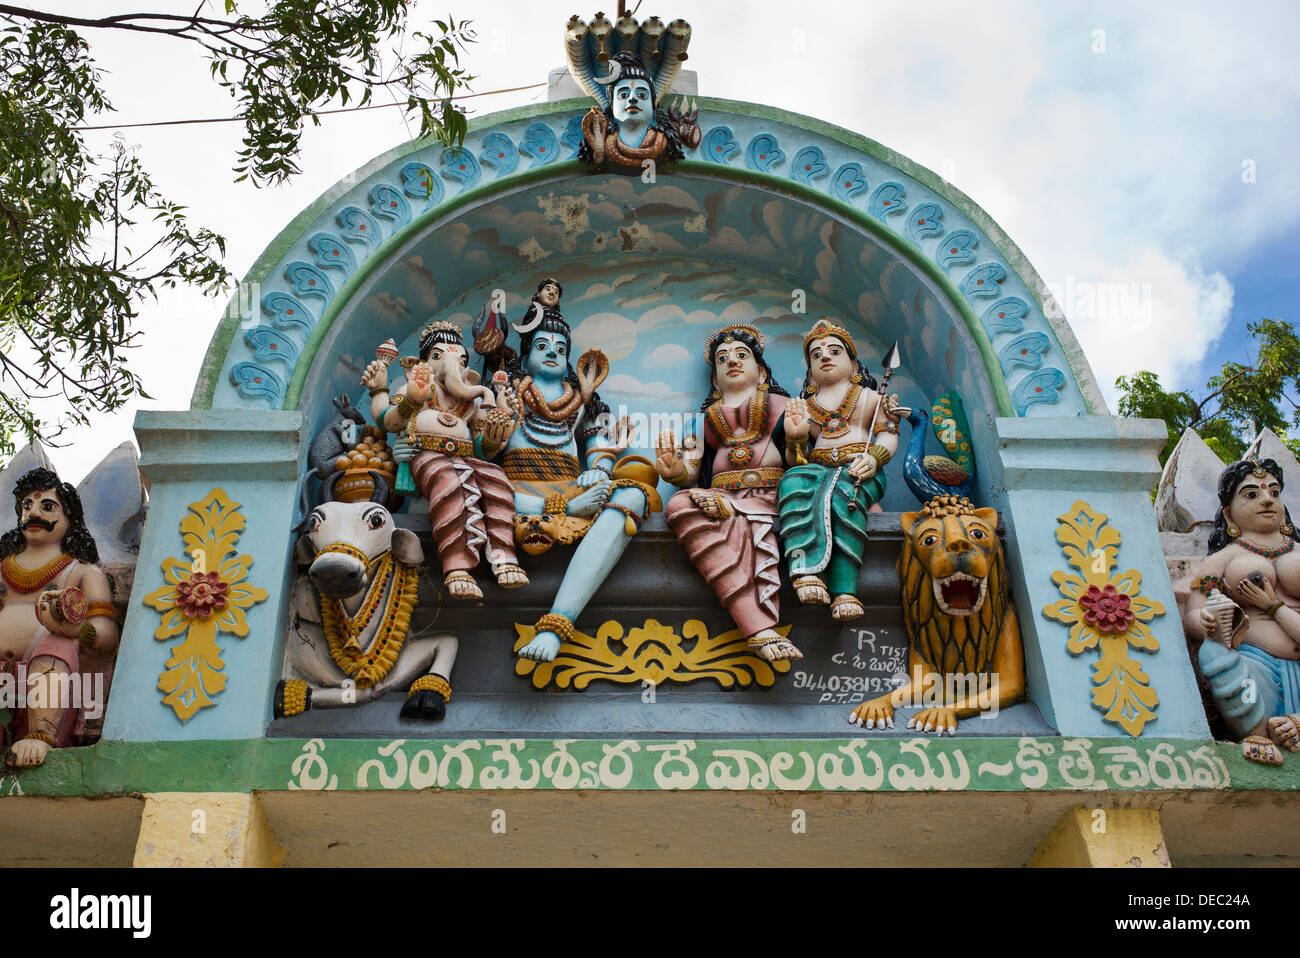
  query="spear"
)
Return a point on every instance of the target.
[{"x": 892, "y": 361}]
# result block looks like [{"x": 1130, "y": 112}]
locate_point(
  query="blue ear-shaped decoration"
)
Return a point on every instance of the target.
[
  {"x": 957, "y": 248},
  {"x": 926, "y": 220},
  {"x": 1007, "y": 315},
  {"x": 419, "y": 183},
  {"x": 499, "y": 152},
  {"x": 1042, "y": 386},
  {"x": 719, "y": 145},
  {"x": 849, "y": 182},
  {"x": 287, "y": 311},
  {"x": 763, "y": 153},
  {"x": 540, "y": 143}
]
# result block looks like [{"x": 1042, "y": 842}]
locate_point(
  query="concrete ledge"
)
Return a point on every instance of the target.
[
  {"x": 214, "y": 445},
  {"x": 1080, "y": 453}
]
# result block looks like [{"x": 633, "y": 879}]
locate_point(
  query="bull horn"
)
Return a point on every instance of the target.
[
  {"x": 380, "y": 495},
  {"x": 327, "y": 487}
]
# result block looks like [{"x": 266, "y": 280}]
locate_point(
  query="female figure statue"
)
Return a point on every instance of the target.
[
  {"x": 1251, "y": 660},
  {"x": 724, "y": 521},
  {"x": 824, "y": 499},
  {"x": 562, "y": 462}
]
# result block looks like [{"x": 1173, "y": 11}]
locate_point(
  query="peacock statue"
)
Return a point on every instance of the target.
[{"x": 930, "y": 476}]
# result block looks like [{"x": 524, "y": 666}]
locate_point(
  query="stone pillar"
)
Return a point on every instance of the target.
[
  {"x": 1104, "y": 838},
  {"x": 205, "y": 830},
  {"x": 1111, "y": 463},
  {"x": 254, "y": 459}
]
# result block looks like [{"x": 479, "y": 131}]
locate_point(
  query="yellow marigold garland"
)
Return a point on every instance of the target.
[{"x": 369, "y": 666}]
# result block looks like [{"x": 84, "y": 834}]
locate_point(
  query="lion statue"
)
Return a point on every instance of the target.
[{"x": 964, "y": 651}]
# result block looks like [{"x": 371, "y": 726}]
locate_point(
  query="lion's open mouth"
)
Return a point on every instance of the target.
[{"x": 960, "y": 594}]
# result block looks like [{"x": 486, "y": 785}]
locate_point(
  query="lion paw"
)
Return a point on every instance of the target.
[
  {"x": 938, "y": 720},
  {"x": 877, "y": 714}
]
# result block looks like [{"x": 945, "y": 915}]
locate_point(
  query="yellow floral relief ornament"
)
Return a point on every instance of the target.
[
  {"x": 652, "y": 653},
  {"x": 1106, "y": 612},
  {"x": 205, "y": 595}
]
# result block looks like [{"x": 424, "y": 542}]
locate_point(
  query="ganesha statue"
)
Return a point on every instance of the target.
[{"x": 447, "y": 426}]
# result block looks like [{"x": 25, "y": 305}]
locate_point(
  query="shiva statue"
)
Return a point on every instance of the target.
[
  {"x": 824, "y": 498},
  {"x": 1246, "y": 604},
  {"x": 447, "y": 427},
  {"x": 725, "y": 513},
  {"x": 563, "y": 459},
  {"x": 630, "y": 129},
  {"x": 56, "y": 613}
]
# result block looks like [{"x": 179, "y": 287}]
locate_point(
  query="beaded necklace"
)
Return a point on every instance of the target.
[
  {"x": 1259, "y": 550},
  {"x": 29, "y": 580},
  {"x": 342, "y": 631},
  {"x": 834, "y": 424},
  {"x": 740, "y": 444}
]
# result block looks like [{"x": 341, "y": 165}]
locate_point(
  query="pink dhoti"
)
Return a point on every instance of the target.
[
  {"x": 65, "y": 650},
  {"x": 738, "y": 556},
  {"x": 471, "y": 509}
]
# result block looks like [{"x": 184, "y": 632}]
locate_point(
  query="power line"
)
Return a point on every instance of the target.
[{"x": 346, "y": 109}]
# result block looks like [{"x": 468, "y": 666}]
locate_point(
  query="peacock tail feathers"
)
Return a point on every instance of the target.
[
  {"x": 944, "y": 470},
  {"x": 952, "y": 429}
]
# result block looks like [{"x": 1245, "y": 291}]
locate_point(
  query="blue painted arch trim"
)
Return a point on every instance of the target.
[{"x": 319, "y": 257}]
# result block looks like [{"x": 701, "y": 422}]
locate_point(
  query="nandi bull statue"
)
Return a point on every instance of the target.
[{"x": 349, "y": 643}]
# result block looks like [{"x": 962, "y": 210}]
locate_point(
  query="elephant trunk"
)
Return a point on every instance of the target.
[{"x": 458, "y": 387}]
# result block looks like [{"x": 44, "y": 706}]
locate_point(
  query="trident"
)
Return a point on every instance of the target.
[{"x": 892, "y": 361}]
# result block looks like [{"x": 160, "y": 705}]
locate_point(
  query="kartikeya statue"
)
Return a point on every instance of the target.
[
  {"x": 824, "y": 497},
  {"x": 56, "y": 603},
  {"x": 564, "y": 461},
  {"x": 1246, "y": 603},
  {"x": 448, "y": 426},
  {"x": 725, "y": 520}
]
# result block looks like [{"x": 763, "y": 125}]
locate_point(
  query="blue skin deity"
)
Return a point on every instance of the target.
[
  {"x": 634, "y": 110},
  {"x": 547, "y": 362}
]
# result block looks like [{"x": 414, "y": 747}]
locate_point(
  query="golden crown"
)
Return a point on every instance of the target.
[
  {"x": 824, "y": 327},
  {"x": 723, "y": 335}
]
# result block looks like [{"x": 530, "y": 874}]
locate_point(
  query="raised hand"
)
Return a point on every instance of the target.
[
  {"x": 796, "y": 419},
  {"x": 376, "y": 374},
  {"x": 669, "y": 460},
  {"x": 419, "y": 384}
]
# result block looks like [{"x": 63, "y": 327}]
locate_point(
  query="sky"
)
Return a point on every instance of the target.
[{"x": 1139, "y": 154}]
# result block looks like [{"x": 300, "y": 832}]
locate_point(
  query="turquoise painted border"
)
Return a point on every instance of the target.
[{"x": 224, "y": 336}]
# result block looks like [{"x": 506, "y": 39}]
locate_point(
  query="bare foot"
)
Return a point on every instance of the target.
[
  {"x": 542, "y": 648},
  {"x": 1259, "y": 749},
  {"x": 27, "y": 753},
  {"x": 846, "y": 607},
  {"x": 938, "y": 719},
  {"x": 461, "y": 585},
  {"x": 772, "y": 647},
  {"x": 811, "y": 590},
  {"x": 877, "y": 713},
  {"x": 510, "y": 576},
  {"x": 1285, "y": 731}
]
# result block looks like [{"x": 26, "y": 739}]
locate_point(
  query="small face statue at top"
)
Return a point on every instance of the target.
[
  {"x": 548, "y": 356},
  {"x": 1257, "y": 505},
  {"x": 549, "y": 295},
  {"x": 632, "y": 104},
  {"x": 829, "y": 361},
  {"x": 735, "y": 368},
  {"x": 43, "y": 520}
]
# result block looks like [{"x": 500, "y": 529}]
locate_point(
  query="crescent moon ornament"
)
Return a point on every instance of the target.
[
  {"x": 615, "y": 70},
  {"x": 531, "y": 321}
]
